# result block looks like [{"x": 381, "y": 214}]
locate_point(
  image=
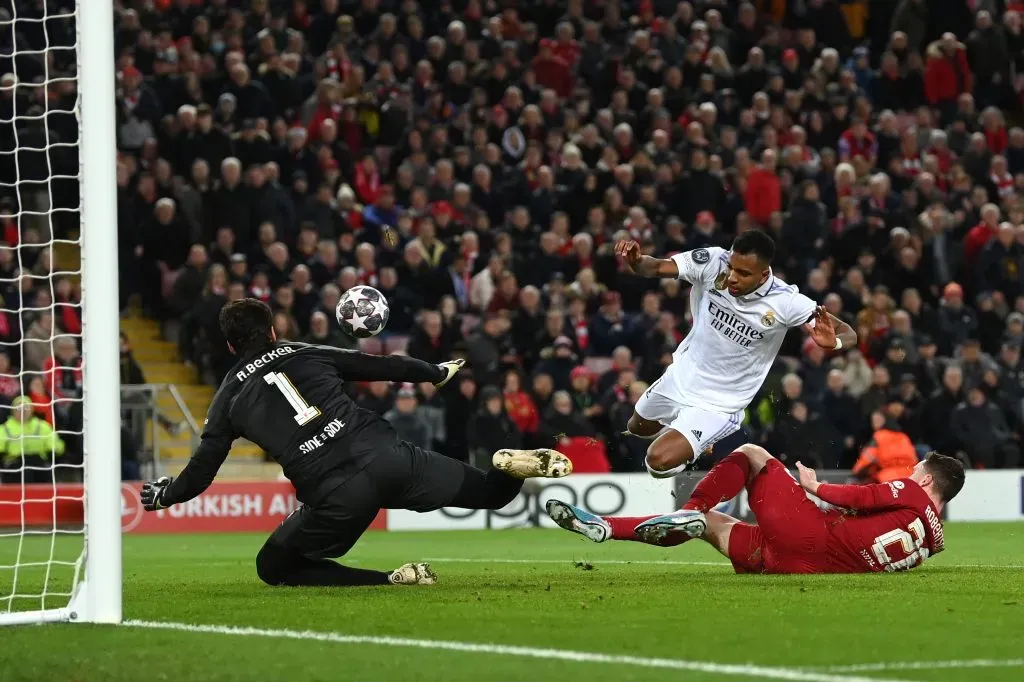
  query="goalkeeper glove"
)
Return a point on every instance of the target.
[
  {"x": 153, "y": 493},
  {"x": 450, "y": 369}
]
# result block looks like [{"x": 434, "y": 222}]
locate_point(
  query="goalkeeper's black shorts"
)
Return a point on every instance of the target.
[{"x": 404, "y": 477}]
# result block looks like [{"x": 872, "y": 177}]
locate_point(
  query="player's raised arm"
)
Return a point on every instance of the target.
[
  {"x": 829, "y": 332},
  {"x": 645, "y": 266},
  {"x": 357, "y": 366}
]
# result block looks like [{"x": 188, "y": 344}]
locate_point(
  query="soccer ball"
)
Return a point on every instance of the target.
[{"x": 362, "y": 312}]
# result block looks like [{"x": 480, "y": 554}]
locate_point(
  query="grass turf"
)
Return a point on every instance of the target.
[{"x": 573, "y": 597}]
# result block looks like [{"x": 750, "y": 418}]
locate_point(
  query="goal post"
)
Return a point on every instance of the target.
[
  {"x": 51, "y": 571},
  {"x": 99, "y": 597}
]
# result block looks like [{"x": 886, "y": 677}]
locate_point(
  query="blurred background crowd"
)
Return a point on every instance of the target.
[{"x": 265, "y": 144}]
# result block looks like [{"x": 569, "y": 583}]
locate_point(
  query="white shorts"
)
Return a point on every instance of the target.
[{"x": 702, "y": 428}]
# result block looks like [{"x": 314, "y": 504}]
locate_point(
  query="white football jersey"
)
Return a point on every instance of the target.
[{"x": 723, "y": 361}]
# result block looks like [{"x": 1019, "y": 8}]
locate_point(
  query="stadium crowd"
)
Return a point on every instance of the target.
[{"x": 477, "y": 160}]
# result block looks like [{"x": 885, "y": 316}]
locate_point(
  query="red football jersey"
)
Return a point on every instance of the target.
[{"x": 886, "y": 526}]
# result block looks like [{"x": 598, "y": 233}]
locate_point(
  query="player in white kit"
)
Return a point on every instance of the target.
[{"x": 741, "y": 313}]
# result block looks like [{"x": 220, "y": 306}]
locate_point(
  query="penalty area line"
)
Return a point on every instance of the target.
[{"x": 737, "y": 669}]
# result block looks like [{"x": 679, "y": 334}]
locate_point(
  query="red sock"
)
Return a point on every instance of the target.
[
  {"x": 724, "y": 482},
  {"x": 622, "y": 529}
]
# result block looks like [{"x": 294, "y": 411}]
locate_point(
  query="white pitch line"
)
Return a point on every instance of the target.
[
  {"x": 453, "y": 560},
  {"x": 738, "y": 669},
  {"x": 928, "y": 665},
  {"x": 651, "y": 562}
]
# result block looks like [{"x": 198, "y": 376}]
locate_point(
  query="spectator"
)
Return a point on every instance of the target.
[
  {"x": 557, "y": 362},
  {"x": 956, "y": 321},
  {"x": 610, "y": 328},
  {"x": 947, "y": 74},
  {"x": 431, "y": 341},
  {"x": 408, "y": 420},
  {"x": 584, "y": 397},
  {"x": 561, "y": 421},
  {"x": 434, "y": 412},
  {"x": 764, "y": 190},
  {"x": 323, "y": 333},
  {"x": 28, "y": 441},
  {"x": 800, "y": 436},
  {"x": 840, "y": 409},
  {"x": 981, "y": 432},
  {"x": 489, "y": 169},
  {"x": 889, "y": 454},
  {"x": 490, "y": 429},
  {"x": 519, "y": 406},
  {"x": 489, "y": 349},
  {"x": 626, "y": 453},
  {"x": 974, "y": 363},
  {"x": 377, "y": 398}
]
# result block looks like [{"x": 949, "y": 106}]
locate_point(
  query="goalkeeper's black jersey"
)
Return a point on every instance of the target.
[{"x": 290, "y": 400}]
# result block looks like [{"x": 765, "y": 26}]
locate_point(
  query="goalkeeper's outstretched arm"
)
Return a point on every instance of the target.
[
  {"x": 357, "y": 366},
  {"x": 202, "y": 468},
  {"x": 200, "y": 471}
]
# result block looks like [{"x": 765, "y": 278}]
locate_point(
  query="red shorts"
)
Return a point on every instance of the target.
[{"x": 791, "y": 532}]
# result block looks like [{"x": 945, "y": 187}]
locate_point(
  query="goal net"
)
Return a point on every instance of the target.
[{"x": 59, "y": 408}]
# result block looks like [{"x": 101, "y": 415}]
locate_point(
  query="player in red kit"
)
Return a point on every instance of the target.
[{"x": 890, "y": 526}]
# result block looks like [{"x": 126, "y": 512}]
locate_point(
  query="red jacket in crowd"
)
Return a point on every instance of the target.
[
  {"x": 947, "y": 78},
  {"x": 997, "y": 139},
  {"x": 568, "y": 50},
  {"x": 553, "y": 72},
  {"x": 764, "y": 195},
  {"x": 976, "y": 239}
]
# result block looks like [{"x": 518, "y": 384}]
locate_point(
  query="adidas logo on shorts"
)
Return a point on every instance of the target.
[{"x": 696, "y": 433}]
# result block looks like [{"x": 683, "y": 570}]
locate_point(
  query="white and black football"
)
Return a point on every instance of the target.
[{"x": 362, "y": 312}]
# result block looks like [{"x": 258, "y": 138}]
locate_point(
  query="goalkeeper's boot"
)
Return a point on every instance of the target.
[
  {"x": 413, "y": 574},
  {"x": 574, "y": 519},
  {"x": 690, "y": 522},
  {"x": 541, "y": 463}
]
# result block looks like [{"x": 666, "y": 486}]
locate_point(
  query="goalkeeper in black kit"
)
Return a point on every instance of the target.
[{"x": 346, "y": 463}]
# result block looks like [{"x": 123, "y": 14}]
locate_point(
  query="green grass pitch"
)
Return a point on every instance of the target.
[{"x": 537, "y": 589}]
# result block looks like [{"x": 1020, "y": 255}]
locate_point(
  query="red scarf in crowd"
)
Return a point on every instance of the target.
[
  {"x": 367, "y": 185},
  {"x": 582, "y": 332},
  {"x": 1003, "y": 184}
]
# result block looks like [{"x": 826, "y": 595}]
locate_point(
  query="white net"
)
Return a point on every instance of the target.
[{"x": 42, "y": 535}]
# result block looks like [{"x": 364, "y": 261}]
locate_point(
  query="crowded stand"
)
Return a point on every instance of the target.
[{"x": 477, "y": 161}]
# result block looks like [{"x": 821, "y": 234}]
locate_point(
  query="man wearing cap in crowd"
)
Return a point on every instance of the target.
[
  {"x": 411, "y": 425},
  {"x": 610, "y": 328},
  {"x": 974, "y": 363},
  {"x": 558, "y": 361},
  {"x": 27, "y": 440},
  {"x": 1015, "y": 328}
]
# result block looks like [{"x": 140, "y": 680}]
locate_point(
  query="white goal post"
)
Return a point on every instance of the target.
[{"x": 56, "y": 573}]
